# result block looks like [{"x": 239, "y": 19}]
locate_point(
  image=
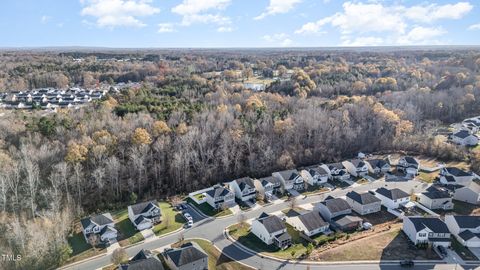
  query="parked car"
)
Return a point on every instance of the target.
[
  {"x": 367, "y": 225},
  {"x": 442, "y": 250},
  {"x": 407, "y": 263},
  {"x": 181, "y": 207},
  {"x": 187, "y": 216}
]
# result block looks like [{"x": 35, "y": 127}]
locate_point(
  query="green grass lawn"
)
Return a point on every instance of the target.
[
  {"x": 462, "y": 251},
  {"x": 127, "y": 234},
  {"x": 81, "y": 249},
  {"x": 427, "y": 177},
  {"x": 208, "y": 210},
  {"x": 171, "y": 220},
  {"x": 243, "y": 235}
]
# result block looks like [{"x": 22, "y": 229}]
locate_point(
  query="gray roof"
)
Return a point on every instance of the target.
[
  {"x": 143, "y": 207},
  {"x": 357, "y": 163},
  {"x": 152, "y": 263},
  {"x": 346, "y": 220},
  {"x": 467, "y": 222},
  {"x": 336, "y": 205},
  {"x": 435, "y": 193},
  {"x": 271, "y": 223},
  {"x": 363, "y": 198},
  {"x": 467, "y": 235},
  {"x": 312, "y": 220},
  {"x": 289, "y": 174},
  {"x": 270, "y": 179},
  {"x": 474, "y": 187},
  {"x": 456, "y": 171},
  {"x": 393, "y": 194},
  {"x": 338, "y": 166},
  {"x": 99, "y": 220},
  {"x": 244, "y": 182},
  {"x": 433, "y": 223},
  {"x": 410, "y": 160},
  {"x": 462, "y": 134},
  {"x": 186, "y": 254},
  {"x": 218, "y": 191},
  {"x": 377, "y": 163}
]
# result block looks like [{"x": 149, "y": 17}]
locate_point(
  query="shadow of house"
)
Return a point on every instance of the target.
[{"x": 401, "y": 248}]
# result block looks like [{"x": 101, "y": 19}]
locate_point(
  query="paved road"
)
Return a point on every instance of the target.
[{"x": 212, "y": 229}]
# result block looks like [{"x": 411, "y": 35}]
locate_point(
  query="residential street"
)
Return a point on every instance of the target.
[{"x": 212, "y": 229}]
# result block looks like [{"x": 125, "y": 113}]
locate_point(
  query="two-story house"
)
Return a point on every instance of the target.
[
  {"x": 244, "y": 189},
  {"x": 466, "y": 229},
  {"x": 469, "y": 193},
  {"x": 189, "y": 256},
  {"x": 363, "y": 203},
  {"x": 356, "y": 167},
  {"x": 378, "y": 166},
  {"x": 333, "y": 207},
  {"x": 268, "y": 186},
  {"x": 392, "y": 198},
  {"x": 465, "y": 138},
  {"x": 219, "y": 197},
  {"x": 290, "y": 179},
  {"x": 436, "y": 198},
  {"x": 455, "y": 176},
  {"x": 315, "y": 175},
  {"x": 338, "y": 171},
  {"x": 144, "y": 259},
  {"x": 144, "y": 215},
  {"x": 310, "y": 223},
  {"x": 409, "y": 165},
  {"x": 101, "y": 225},
  {"x": 271, "y": 230},
  {"x": 422, "y": 230}
]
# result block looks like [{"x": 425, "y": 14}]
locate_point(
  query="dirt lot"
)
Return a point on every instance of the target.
[{"x": 389, "y": 245}]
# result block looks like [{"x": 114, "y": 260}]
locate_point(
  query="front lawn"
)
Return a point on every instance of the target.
[
  {"x": 171, "y": 220},
  {"x": 208, "y": 210},
  {"x": 127, "y": 234},
  {"x": 242, "y": 234},
  {"x": 81, "y": 249}
]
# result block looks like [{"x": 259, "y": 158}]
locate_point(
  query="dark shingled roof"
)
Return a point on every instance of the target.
[
  {"x": 270, "y": 179},
  {"x": 456, "y": 171},
  {"x": 467, "y": 222},
  {"x": 244, "y": 182},
  {"x": 363, "y": 198},
  {"x": 338, "y": 166},
  {"x": 283, "y": 237},
  {"x": 336, "y": 205},
  {"x": 346, "y": 220},
  {"x": 410, "y": 160},
  {"x": 186, "y": 254},
  {"x": 143, "y": 207},
  {"x": 151, "y": 263},
  {"x": 435, "y": 193},
  {"x": 377, "y": 163},
  {"x": 462, "y": 134},
  {"x": 312, "y": 220},
  {"x": 218, "y": 191},
  {"x": 100, "y": 220},
  {"x": 357, "y": 163},
  {"x": 434, "y": 224},
  {"x": 392, "y": 194},
  {"x": 142, "y": 255},
  {"x": 271, "y": 223}
]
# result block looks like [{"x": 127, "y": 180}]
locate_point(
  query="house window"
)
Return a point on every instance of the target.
[{"x": 422, "y": 234}]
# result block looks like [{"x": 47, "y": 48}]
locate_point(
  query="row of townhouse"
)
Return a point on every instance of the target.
[{"x": 142, "y": 215}]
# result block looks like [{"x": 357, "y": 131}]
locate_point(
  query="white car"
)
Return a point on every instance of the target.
[{"x": 187, "y": 216}]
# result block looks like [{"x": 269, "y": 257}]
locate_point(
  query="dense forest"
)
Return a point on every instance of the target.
[{"x": 183, "y": 129}]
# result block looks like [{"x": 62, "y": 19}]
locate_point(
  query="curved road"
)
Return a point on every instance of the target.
[{"x": 212, "y": 229}]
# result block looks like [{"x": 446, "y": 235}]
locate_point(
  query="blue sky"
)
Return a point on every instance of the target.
[{"x": 237, "y": 23}]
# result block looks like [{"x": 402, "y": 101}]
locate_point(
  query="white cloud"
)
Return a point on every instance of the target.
[
  {"x": 280, "y": 39},
  {"x": 165, "y": 28},
  {"x": 278, "y": 7},
  {"x": 363, "y": 41},
  {"x": 474, "y": 27},
  {"x": 313, "y": 27},
  {"x": 434, "y": 12},
  {"x": 421, "y": 35},
  {"x": 113, "y": 13},
  {"x": 200, "y": 11},
  {"x": 224, "y": 29}
]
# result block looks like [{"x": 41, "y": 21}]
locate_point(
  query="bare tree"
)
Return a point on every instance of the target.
[{"x": 119, "y": 256}]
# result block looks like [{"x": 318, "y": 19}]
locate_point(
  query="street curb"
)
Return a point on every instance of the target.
[
  {"x": 82, "y": 261},
  {"x": 198, "y": 211},
  {"x": 305, "y": 262},
  {"x": 169, "y": 233}
]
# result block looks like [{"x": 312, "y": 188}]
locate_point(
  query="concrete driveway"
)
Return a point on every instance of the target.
[{"x": 148, "y": 234}]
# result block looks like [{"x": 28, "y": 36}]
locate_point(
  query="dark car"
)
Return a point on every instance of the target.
[
  {"x": 442, "y": 251},
  {"x": 406, "y": 263}
]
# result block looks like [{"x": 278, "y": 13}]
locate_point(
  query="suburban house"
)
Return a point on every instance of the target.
[
  {"x": 455, "y": 176},
  {"x": 291, "y": 179},
  {"x": 463, "y": 137},
  {"x": 310, "y": 223},
  {"x": 408, "y": 165},
  {"x": 431, "y": 230},
  {"x": 101, "y": 225},
  {"x": 466, "y": 229},
  {"x": 436, "y": 198},
  {"x": 392, "y": 198},
  {"x": 145, "y": 259},
  {"x": 189, "y": 256},
  {"x": 469, "y": 193},
  {"x": 220, "y": 197},
  {"x": 144, "y": 215},
  {"x": 378, "y": 166},
  {"x": 267, "y": 186},
  {"x": 333, "y": 207},
  {"x": 356, "y": 167},
  {"x": 364, "y": 203},
  {"x": 315, "y": 175},
  {"x": 338, "y": 171},
  {"x": 271, "y": 230},
  {"x": 244, "y": 189},
  {"x": 347, "y": 222}
]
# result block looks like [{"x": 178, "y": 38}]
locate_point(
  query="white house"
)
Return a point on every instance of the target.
[
  {"x": 338, "y": 171},
  {"x": 101, "y": 225},
  {"x": 333, "y": 207},
  {"x": 244, "y": 188},
  {"x": 271, "y": 230},
  {"x": 392, "y": 198},
  {"x": 268, "y": 186},
  {"x": 310, "y": 223},
  {"x": 356, "y": 167},
  {"x": 464, "y": 137},
  {"x": 455, "y": 176},
  {"x": 408, "y": 165},
  {"x": 466, "y": 229},
  {"x": 435, "y": 198},
  {"x": 378, "y": 166},
  {"x": 430, "y": 230},
  {"x": 144, "y": 215},
  {"x": 315, "y": 175},
  {"x": 469, "y": 193},
  {"x": 364, "y": 203},
  {"x": 291, "y": 179},
  {"x": 219, "y": 197}
]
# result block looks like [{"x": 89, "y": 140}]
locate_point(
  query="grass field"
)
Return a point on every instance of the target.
[
  {"x": 208, "y": 210},
  {"x": 80, "y": 248},
  {"x": 171, "y": 220},
  {"x": 127, "y": 234}
]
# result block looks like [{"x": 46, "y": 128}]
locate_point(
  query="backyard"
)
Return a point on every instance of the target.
[
  {"x": 171, "y": 220},
  {"x": 208, "y": 210},
  {"x": 127, "y": 234},
  {"x": 80, "y": 248}
]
